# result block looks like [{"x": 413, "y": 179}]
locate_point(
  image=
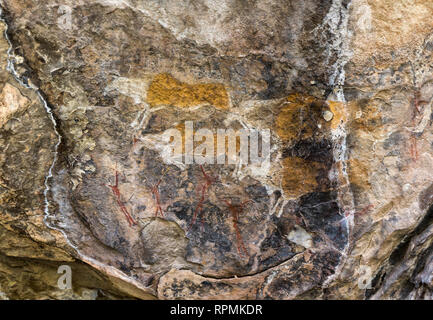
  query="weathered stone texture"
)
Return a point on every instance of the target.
[{"x": 345, "y": 88}]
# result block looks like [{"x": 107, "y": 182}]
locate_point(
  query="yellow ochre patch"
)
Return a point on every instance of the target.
[
  {"x": 299, "y": 116},
  {"x": 299, "y": 176},
  {"x": 166, "y": 90}
]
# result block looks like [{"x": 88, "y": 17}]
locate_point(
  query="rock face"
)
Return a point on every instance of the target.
[{"x": 99, "y": 101}]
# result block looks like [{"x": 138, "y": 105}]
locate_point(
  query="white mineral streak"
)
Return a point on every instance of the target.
[
  {"x": 93, "y": 262},
  {"x": 335, "y": 24},
  {"x": 335, "y": 35},
  {"x": 12, "y": 70}
]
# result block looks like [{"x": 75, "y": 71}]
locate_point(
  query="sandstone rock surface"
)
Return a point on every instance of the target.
[{"x": 341, "y": 209}]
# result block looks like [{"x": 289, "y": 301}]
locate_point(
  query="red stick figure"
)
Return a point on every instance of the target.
[
  {"x": 365, "y": 210},
  {"x": 121, "y": 205},
  {"x": 417, "y": 102},
  {"x": 413, "y": 148},
  {"x": 203, "y": 192},
  {"x": 362, "y": 212},
  {"x": 155, "y": 192},
  {"x": 235, "y": 210}
]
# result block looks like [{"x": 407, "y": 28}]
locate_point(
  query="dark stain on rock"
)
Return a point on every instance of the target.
[
  {"x": 276, "y": 248},
  {"x": 393, "y": 140},
  {"x": 376, "y": 282},
  {"x": 184, "y": 288},
  {"x": 322, "y": 213},
  {"x": 401, "y": 250},
  {"x": 259, "y": 195},
  {"x": 426, "y": 198},
  {"x": 311, "y": 150},
  {"x": 301, "y": 276},
  {"x": 181, "y": 209},
  {"x": 276, "y": 82}
]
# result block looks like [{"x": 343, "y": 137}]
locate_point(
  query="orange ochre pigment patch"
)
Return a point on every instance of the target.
[
  {"x": 298, "y": 120},
  {"x": 299, "y": 176},
  {"x": 291, "y": 120},
  {"x": 166, "y": 90},
  {"x": 299, "y": 116}
]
